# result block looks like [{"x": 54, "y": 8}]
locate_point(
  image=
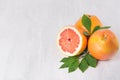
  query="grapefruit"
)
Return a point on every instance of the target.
[
  {"x": 103, "y": 44},
  {"x": 94, "y": 22},
  {"x": 71, "y": 41}
]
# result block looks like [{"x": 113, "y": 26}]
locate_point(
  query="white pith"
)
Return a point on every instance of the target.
[{"x": 79, "y": 45}]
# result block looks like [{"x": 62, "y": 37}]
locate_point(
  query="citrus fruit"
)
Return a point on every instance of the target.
[
  {"x": 103, "y": 44},
  {"x": 71, "y": 41},
  {"x": 94, "y": 22}
]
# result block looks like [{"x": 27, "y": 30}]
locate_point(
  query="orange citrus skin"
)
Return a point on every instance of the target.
[
  {"x": 94, "y": 22},
  {"x": 84, "y": 39},
  {"x": 103, "y": 44}
]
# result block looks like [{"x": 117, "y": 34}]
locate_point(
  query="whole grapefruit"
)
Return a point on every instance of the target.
[
  {"x": 103, "y": 44},
  {"x": 94, "y": 22}
]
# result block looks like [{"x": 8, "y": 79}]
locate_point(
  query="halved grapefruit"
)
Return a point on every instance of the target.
[{"x": 71, "y": 41}]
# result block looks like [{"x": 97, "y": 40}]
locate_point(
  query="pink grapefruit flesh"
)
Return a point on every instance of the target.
[{"x": 70, "y": 41}]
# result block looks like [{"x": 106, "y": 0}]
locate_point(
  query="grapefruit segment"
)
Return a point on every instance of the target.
[{"x": 71, "y": 41}]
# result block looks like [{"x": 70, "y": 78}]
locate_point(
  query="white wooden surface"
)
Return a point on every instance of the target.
[{"x": 28, "y": 30}]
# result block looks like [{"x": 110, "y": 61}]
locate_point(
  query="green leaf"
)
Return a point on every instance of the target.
[
  {"x": 70, "y": 58},
  {"x": 86, "y": 34},
  {"x": 86, "y": 22},
  {"x": 68, "y": 61},
  {"x": 83, "y": 65},
  {"x": 65, "y": 65},
  {"x": 73, "y": 66},
  {"x": 91, "y": 60},
  {"x": 71, "y": 63},
  {"x": 64, "y": 59},
  {"x": 96, "y": 28},
  {"x": 105, "y": 27}
]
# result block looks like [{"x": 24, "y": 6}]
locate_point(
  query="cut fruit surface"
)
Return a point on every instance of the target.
[{"x": 71, "y": 41}]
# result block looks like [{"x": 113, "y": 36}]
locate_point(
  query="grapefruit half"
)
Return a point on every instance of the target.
[{"x": 71, "y": 41}]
